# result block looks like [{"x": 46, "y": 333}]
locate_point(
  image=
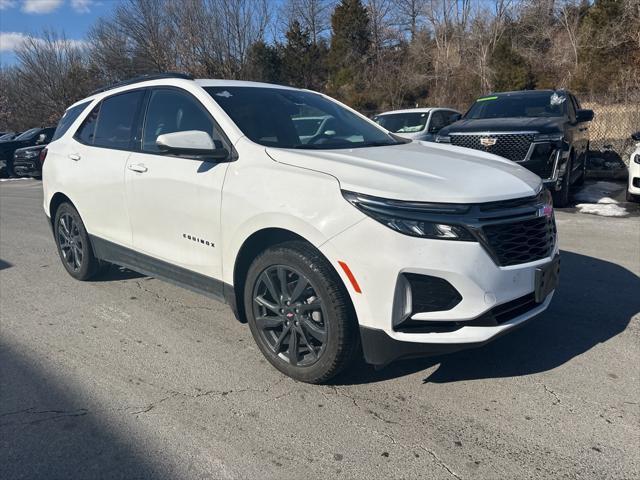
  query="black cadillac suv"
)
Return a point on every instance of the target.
[{"x": 546, "y": 131}]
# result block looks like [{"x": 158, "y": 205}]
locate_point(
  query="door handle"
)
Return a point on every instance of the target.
[
  {"x": 74, "y": 156},
  {"x": 137, "y": 167}
]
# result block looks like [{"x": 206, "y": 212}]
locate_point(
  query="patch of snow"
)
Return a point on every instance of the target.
[
  {"x": 596, "y": 199},
  {"x": 602, "y": 209},
  {"x": 594, "y": 192},
  {"x": 14, "y": 179}
]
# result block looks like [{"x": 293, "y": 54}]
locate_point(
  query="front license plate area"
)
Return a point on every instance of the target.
[{"x": 547, "y": 278}]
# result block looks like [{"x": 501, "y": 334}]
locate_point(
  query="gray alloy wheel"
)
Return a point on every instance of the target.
[
  {"x": 74, "y": 246},
  {"x": 290, "y": 315},
  {"x": 299, "y": 312}
]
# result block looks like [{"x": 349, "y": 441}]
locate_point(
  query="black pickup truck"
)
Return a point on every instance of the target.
[
  {"x": 546, "y": 131},
  {"x": 29, "y": 138}
]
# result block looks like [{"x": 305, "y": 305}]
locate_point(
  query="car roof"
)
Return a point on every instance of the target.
[
  {"x": 417, "y": 110},
  {"x": 177, "y": 81}
]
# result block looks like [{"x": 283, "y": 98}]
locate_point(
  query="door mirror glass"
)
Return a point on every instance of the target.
[
  {"x": 195, "y": 143},
  {"x": 584, "y": 115}
]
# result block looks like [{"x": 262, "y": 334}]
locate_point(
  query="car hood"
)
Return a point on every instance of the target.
[
  {"x": 418, "y": 171},
  {"x": 542, "y": 125}
]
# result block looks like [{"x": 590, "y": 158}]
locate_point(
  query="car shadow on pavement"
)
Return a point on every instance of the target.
[
  {"x": 4, "y": 264},
  {"x": 595, "y": 301},
  {"x": 114, "y": 273},
  {"x": 46, "y": 432}
]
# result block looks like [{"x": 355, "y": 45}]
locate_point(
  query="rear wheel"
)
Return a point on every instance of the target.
[
  {"x": 73, "y": 243},
  {"x": 299, "y": 313},
  {"x": 583, "y": 174}
]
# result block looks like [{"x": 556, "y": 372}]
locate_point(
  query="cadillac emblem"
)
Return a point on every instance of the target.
[{"x": 488, "y": 141}]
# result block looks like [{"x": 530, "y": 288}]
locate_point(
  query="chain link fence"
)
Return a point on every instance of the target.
[{"x": 612, "y": 127}]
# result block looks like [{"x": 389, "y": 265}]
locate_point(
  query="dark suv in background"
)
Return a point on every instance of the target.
[
  {"x": 544, "y": 130},
  {"x": 29, "y": 138}
]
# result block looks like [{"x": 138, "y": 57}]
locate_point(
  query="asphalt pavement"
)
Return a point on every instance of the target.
[{"x": 130, "y": 377}]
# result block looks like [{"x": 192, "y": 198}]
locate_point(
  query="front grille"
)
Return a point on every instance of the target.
[
  {"x": 524, "y": 241},
  {"x": 513, "y": 146}
]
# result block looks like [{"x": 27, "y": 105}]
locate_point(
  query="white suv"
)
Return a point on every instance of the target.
[{"x": 349, "y": 238}]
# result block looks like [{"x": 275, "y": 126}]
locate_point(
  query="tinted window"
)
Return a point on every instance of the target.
[
  {"x": 268, "y": 116},
  {"x": 28, "y": 135},
  {"x": 88, "y": 127},
  {"x": 403, "y": 122},
  {"x": 116, "y": 120},
  {"x": 68, "y": 118},
  {"x": 174, "y": 111},
  {"x": 536, "y": 104}
]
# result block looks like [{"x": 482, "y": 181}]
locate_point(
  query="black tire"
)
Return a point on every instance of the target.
[
  {"x": 74, "y": 246},
  {"x": 583, "y": 176},
  {"x": 324, "y": 307},
  {"x": 561, "y": 197}
]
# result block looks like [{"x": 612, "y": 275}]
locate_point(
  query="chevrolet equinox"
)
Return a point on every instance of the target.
[{"x": 330, "y": 243}]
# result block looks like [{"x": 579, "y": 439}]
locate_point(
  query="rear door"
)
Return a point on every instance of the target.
[
  {"x": 174, "y": 201},
  {"x": 97, "y": 159}
]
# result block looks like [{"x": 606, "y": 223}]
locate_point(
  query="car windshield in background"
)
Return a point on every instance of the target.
[
  {"x": 28, "y": 134},
  {"x": 542, "y": 104},
  {"x": 278, "y": 117},
  {"x": 403, "y": 122}
]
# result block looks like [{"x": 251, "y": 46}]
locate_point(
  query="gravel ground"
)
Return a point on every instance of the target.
[{"x": 130, "y": 377}]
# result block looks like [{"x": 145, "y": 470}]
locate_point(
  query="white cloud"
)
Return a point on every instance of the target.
[
  {"x": 10, "y": 41},
  {"x": 40, "y": 6},
  {"x": 81, "y": 6},
  {"x": 6, "y": 4}
]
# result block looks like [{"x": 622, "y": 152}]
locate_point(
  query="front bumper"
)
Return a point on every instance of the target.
[
  {"x": 27, "y": 167},
  {"x": 381, "y": 256}
]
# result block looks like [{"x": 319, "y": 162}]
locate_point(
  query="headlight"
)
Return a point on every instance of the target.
[
  {"x": 416, "y": 219},
  {"x": 30, "y": 154},
  {"x": 548, "y": 137},
  {"x": 443, "y": 139}
]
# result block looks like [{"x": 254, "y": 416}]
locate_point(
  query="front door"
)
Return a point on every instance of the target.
[{"x": 174, "y": 201}]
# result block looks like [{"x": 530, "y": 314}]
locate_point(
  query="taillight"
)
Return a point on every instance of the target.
[{"x": 43, "y": 155}]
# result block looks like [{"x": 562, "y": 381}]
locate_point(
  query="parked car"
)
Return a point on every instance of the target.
[
  {"x": 31, "y": 137},
  {"x": 349, "y": 237},
  {"x": 27, "y": 163},
  {"x": 545, "y": 131},
  {"x": 633, "y": 191},
  {"x": 417, "y": 123}
]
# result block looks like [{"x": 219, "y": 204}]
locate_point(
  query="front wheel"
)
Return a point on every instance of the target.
[
  {"x": 561, "y": 197},
  {"x": 299, "y": 313}
]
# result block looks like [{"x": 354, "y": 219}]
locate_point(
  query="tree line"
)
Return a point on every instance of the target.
[{"x": 371, "y": 54}]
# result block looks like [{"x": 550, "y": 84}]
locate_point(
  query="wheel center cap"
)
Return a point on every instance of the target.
[{"x": 289, "y": 315}]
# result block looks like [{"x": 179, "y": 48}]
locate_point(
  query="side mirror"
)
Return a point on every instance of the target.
[
  {"x": 434, "y": 128},
  {"x": 636, "y": 136},
  {"x": 584, "y": 115},
  {"x": 192, "y": 143}
]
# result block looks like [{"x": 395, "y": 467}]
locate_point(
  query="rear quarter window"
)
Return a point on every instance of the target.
[{"x": 68, "y": 118}]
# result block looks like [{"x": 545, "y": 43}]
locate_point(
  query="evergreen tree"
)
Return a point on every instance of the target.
[
  {"x": 510, "y": 69},
  {"x": 302, "y": 59},
  {"x": 264, "y": 63},
  {"x": 350, "y": 49}
]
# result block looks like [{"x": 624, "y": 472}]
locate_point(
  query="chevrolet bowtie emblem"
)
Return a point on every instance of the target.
[{"x": 488, "y": 141}]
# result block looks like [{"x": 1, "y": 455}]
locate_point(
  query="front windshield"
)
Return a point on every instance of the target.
[
  {"x": 403, "y": 122},
  {"x": 277, "y": 117},
  {"x": 28, "y": 134},
  {"x": 539, "y": 104}
]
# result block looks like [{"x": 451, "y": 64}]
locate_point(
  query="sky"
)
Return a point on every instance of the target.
[{"x": 20, "y": 18}]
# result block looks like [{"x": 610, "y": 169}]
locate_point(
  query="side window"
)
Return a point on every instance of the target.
[
  {"x": 88, "y": 127},
  {"x": 115, "y": 127},
  {"x": 171, "y": 111},
  {"x": 451, "y": 117},
  {"x": 68, "y": 118}
]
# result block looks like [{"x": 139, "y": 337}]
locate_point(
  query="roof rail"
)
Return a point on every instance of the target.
[{"x": 144, "y": 78}]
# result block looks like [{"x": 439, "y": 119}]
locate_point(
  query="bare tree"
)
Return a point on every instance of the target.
[{"x": 313, "y": 16}]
